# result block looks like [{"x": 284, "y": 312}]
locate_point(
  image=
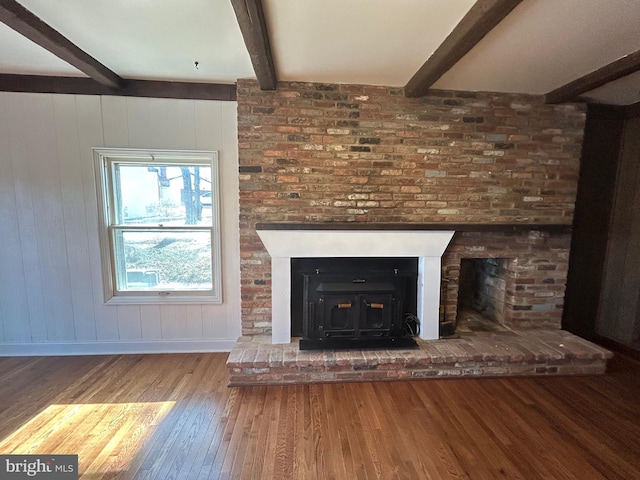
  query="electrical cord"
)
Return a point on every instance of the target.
[{"x": 412, "y": 324}]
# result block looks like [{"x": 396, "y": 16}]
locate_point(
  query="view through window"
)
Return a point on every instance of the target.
[{"x": 159, "y": 223}]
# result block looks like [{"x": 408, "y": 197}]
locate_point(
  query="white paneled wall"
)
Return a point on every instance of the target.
[{"x": 50, "y": 280}]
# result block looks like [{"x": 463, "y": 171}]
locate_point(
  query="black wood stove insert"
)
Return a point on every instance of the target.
[{"x": 357, "y": 303}]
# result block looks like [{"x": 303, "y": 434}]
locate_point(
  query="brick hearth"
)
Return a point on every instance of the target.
[{"x": 256, "y": 361}]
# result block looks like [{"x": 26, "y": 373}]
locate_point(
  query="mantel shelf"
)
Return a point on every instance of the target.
[{"x": 458, "y": 227}]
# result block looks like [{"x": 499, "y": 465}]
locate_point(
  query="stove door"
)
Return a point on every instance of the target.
[
  {"x": 338, "y": 315},
  {"x": 375, "y": 313}
]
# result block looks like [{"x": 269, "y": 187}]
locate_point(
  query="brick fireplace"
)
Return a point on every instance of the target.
[
  {"x": 533, "y": 274},
  {"x": 501, "y": 168}
]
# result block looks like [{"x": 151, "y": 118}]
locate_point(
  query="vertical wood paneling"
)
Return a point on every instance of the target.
[
  {"x": 633, "y": 327},
  {"x": 129, "y": 326},
  {"x": 113, "y": 128},
  {"x": 47, "y": 199},
  {"x": 138, "y": 123},
  {"x": 14, "y": 311},
  {"x": 591, "y": 223},
  {"x": 230, "y": 213},
  {"x": 150, "y": 322},
  {"x": 163, "y": 126},
  {"x": 636, "y": 325},
  {"x": 208, "y": 123},
  {"x": 7, "y": 209},
  {"x": 75, "y": 216},
  {"x": 622, "y": 281},
  {"x": 193, "y": 321},
  {"x": 20, "y": 132},
  {"x": 168, "y": 321},
  {"x": 629, "y": 287},
  {"x": 50, "y": 224},
  {"x": 91, "y": 134},
  {"x": 115, "y": 122},
  {"x": 214, "y": 322},
  {"x": 617, "y": 258},
  {"x": 179, "y": 329},
  {"x": 186, "y": 111}
]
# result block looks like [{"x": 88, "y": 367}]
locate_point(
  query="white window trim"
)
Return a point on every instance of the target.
[{"x": 101, "y": 157}]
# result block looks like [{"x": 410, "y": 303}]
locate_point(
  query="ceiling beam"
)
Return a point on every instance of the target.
[
  {"x": 253, "y": 26},
  {"x": 27, "y": 24},
  {"x": 479, "y": 20},
  {"x": 132, "y": 88},
  {"x": 613, "y": 71}
]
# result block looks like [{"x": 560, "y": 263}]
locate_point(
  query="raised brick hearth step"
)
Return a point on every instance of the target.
[{"x": 255, "y": 361}]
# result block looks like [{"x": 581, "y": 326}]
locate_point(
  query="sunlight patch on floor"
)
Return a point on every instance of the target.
[{"x": 111, "y": 434}]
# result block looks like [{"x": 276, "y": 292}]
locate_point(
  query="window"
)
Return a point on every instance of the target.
[{"x": 159, "y": 225}]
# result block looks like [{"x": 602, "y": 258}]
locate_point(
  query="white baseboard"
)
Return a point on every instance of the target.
[{"x": 114, "y": 348}]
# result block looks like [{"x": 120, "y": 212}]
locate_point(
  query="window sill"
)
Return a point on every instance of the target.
[{"x": 171, "y": 299}]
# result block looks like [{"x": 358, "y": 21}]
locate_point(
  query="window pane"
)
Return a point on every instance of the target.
[
  {"x": 158, "y": 260},
  {"x": 147, "y": 193}
]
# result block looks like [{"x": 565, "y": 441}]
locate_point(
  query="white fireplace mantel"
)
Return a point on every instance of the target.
[{"x": 427, "y": 245}]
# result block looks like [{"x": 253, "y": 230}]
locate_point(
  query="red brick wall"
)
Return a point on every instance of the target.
[{"x": 355, "y": 153}]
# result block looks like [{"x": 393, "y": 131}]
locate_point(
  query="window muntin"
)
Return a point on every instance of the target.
[{"x": 159, "y": 228}]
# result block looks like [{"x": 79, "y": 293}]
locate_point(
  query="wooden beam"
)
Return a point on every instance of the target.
[
  {"x": 613, "y": 71},
  {"x": 27, "y": 24},
  {"x": 479, "y": 20},
  {"x": 132, "y": 88},
  {"x": 253, "y": 26}
]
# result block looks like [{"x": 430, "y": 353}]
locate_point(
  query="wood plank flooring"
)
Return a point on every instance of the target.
[{"x": 173, "y": 417}]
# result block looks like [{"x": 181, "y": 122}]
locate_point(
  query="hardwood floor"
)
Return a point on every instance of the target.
[{"x": 173, "y": 417}]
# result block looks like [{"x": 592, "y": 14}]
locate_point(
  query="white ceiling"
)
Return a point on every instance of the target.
[
  {"x": 544, "y": 44},
  {"x": 19, "y": 55},
  {"x": 541, "y": 45},
  {"x": 371, "y": 42}
]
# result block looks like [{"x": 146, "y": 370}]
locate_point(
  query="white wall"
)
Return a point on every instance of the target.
[{"x": 50, "y": 281}]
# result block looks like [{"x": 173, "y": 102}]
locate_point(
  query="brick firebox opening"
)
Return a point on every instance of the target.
[
  {"x": 526, "y": 267},
  {"x": 483, "y": 286}
]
